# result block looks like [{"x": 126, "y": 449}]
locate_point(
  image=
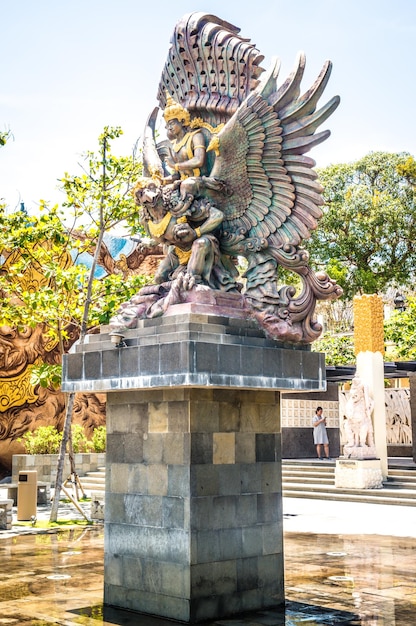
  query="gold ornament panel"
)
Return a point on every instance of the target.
[{"x": 18, "y": 390}]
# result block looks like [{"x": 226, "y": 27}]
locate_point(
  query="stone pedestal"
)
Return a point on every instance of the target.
[
  {"x": 358, "y": 474},
  {"x": 193, "y": 515}
]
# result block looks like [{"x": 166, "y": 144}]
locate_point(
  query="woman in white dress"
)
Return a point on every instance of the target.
[{"x": 320, "y": 436}]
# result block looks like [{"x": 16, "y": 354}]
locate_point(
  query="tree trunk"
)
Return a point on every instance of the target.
[
  {"x": 84, "y": 326},
  {"x": 61, "y": 458}
]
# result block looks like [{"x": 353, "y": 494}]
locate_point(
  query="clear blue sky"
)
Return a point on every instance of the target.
[{"x": 69, "y": 68}]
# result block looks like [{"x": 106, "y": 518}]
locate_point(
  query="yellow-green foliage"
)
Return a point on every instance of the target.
[{"x": 47, "y": 440}]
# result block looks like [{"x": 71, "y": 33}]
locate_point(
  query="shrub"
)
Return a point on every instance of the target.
[
  {"x": 47, "y": 440},
  {"x": 99, "y": 438},
  {"x": 43, "y": 440},
  {"x": 80, "y": 443}
]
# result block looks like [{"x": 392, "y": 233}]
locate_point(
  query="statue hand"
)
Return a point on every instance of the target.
[{"x": 183, "y": 233}]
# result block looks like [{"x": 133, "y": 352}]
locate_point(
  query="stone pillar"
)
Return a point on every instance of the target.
[
  {"x": 193, "y": 514},
  {"x": 370, "y": 368},
  {"x": 412, "y": 388},
  {"x": 193, "y": 503},
  {"x": 369, "y": 349}
]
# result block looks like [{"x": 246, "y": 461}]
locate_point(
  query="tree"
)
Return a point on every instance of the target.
[
  {"x": 367, "y": 236},
  {"x": 339, "y": 349},
  {"x": 400, "y": 328},
  {"x": 103, "y": 192},
  {"x": 54, "y": 250},
  {"x": 4, "y": 137}
]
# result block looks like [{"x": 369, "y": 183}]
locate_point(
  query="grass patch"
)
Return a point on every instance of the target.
[{"x": 58, "y": 524}]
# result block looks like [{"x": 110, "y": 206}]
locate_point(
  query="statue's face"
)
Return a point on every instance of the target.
[
  {"x": 173, "y": 129},
  {"x": 149, "y": 196},
  {"x": 356, "y": 389}
]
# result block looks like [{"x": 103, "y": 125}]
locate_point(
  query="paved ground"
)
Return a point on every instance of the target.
[
  {"x": 345, "y": 564},
  {"x": 348, "y": 518}
]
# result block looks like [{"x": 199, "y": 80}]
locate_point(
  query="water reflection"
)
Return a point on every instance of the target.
[
  {"x": 330, "y": 579},
  {"x": 371, "y": 576}
]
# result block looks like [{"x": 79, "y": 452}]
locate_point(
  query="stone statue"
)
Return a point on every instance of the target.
[
  {"x": 232, "y": 181},
  {"x": 358, "y": 425}
]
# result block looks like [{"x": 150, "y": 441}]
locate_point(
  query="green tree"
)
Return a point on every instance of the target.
[
  {"x": 103, "y": 194},
  {"x": 338, "y": 349},
  {"x": 367, "y": 235},
  {"x": 400, "y": 328},
  {"x": 5, "y": 135},
  {"x": 69, "y": 295}
]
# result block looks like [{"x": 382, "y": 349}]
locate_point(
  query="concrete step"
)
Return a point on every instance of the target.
[
  {"x": 309, "y": 470},
  {"x": 400, "y": 484},
  {"x": 305, "y": 479},
  {"x": 98, "y": 474},
  {"x": 409, "y": 475},
  {"x": 308, "y": 479},
  {"x": 94, "y": 481},
  {"x": 372, "y": 496}
]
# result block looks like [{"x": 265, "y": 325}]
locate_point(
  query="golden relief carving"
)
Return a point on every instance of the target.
[
  {"x": 18, "y": 390},
  {"x": 368, "y": 324}
]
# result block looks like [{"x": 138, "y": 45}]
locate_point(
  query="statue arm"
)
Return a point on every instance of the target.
[
  {"x": 202, "y": 225},
  {"x": 212, "y": 222}
]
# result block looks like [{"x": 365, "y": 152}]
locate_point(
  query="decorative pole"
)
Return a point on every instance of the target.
[{"x": 369, "y": 350}]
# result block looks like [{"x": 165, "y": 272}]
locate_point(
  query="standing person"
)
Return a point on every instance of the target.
[{"x": 320, "y": 436}]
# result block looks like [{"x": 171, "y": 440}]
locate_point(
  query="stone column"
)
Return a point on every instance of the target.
[
  {"x": 369, "y": 348},
  {"x": 193, "y": 509},
  {"x": 412, "y": 389},
  {"x": 193, "y": 503}
]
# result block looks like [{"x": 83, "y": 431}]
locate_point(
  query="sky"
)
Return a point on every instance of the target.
[{"x": 67, "y": 69}]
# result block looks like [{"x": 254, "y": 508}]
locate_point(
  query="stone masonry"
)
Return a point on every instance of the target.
[
  {"x": 194, "y": 521},
  {"x": 193, "y": 516}
]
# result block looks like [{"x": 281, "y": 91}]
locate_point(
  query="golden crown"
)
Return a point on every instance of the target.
[{"x": 175, "y": 111}]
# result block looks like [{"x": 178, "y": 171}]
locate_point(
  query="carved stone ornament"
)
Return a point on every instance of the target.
[
  {"x": 358, "y": 425},
  {"x": 232, "y": 185}
]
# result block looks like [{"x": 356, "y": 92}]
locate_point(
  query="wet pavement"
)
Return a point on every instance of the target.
[{"x": 364, "y": 577}]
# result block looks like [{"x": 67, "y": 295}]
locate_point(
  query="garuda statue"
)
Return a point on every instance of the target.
[{"x": 231, "y": 185}]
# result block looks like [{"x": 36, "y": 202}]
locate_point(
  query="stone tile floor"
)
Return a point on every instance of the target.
[{"x": 364, "y": 577}]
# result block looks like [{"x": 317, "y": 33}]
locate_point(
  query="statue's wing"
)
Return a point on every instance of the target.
[
  {"x": 275, "y": 197},
  {"x": 210, "y": 69},
  {"x": 152, "y": 154}
]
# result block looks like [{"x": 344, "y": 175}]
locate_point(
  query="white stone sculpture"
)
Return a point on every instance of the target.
[{"x": 358, "y": 425}]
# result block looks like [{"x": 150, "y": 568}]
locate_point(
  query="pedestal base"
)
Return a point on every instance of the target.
[
  {"x": 193, "y": 505},
  {"x": 358, "y": 474},
  {"x": 193, "y": 517}
]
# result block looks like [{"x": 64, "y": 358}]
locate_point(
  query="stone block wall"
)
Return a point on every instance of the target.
[
  {"x": 193, "y": 502},
  {"x": 46, "y": 465}
]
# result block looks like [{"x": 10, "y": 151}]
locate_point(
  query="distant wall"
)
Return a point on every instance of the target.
[{"x": 298, "y": 410}]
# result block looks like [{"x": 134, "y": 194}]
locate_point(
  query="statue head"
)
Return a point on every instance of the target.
[
  {"x": 148, "y": 195},
  {"x": 175, "y": 111}
]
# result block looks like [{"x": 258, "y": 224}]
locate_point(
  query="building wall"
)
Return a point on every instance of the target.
[{"x": 298, "y": 410}]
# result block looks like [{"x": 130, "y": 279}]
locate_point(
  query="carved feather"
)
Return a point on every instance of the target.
[
  {"x": 274, "y": 196},
  {"x": 306, "y": 104},
  {"x": 309, "y": 124},
  {"x": 152, "y": 164},
  {"x": 210, "y": 69},
  {"x": 290, "y": 90}
]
